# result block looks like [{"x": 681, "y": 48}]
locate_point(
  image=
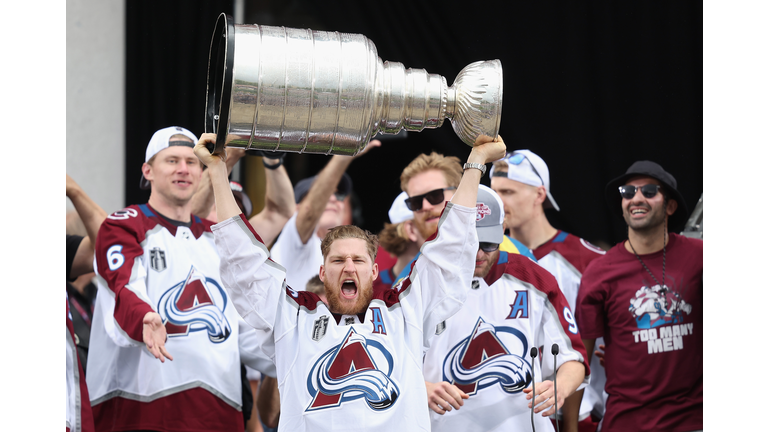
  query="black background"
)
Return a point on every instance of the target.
[{"x": 590, "y": 87}]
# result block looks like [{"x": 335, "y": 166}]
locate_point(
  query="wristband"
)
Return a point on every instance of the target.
[{"x": 272, "y": 167}]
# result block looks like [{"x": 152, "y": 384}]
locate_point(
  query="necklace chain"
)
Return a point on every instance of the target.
[{"x": 663, "y": 259}]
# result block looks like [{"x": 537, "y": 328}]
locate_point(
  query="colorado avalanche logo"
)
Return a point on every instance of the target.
[
  {"x": 193, "y": 305},
  {"x": 656, "y": 306},
  {"x": 356, "y": 368},
  {"x": 483, "y": 359},
  {"x": 482, "y": 211}
]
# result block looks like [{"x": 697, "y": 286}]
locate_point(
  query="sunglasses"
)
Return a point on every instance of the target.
[
  {"x": 649, "y": 191},
  {"x": 434, "y": 197},
  {"x": 488, "y": 247},
  {"x": 340, "y": 196},
  {"x": 517, "y": 159}
]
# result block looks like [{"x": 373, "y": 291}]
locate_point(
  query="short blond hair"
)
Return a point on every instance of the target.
[
  {"x": 315, "y": 285},
  {"x": 350, "y": 231},
  {"x": 393, "y": 238},
  {"x": 450, "y": 166}
]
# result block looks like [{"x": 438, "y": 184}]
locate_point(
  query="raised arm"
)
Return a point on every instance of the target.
[
  {"x": 485, "y": 150},
  {"x": 313, "y": 205},
  {"x": 254, "y": 282},
  {"x": 92, "y": 216},
  {"x": 202, "y": 200},
  {"x": 218, "y": 172},
  {"x": 443, "y": 271},
  {"x": 279, "y": 203}
]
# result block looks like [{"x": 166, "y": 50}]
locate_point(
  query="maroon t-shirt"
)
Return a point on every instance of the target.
[{"x": 653, "y": 335}]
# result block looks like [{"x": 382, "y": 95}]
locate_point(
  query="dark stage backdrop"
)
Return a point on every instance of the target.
[{"x": 589, "y": 86}]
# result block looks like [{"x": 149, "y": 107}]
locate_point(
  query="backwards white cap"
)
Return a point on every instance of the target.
[
  {"x": 528, "y": 168},
  {"x": 399, "y": 212},
  {"x": 160, "y": 141}
]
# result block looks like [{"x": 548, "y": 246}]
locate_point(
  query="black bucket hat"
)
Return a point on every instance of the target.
[{"x": 668, "y": 182}]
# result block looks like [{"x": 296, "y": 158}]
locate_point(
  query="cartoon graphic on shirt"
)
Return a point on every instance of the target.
[
  {"x": 660, "y": 314},
  {"x": 657, "y": 306}
]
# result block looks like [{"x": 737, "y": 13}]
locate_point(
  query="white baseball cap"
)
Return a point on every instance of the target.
[
  {"x": 489, "y": 221},
  {"x": 399, "y": 212},
  {"x": 528, "y": 168},
  {"x": 160, "y": 141}
]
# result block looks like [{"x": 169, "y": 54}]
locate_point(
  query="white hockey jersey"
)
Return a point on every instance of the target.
[
  {"x": 485, "y": 348},
  {"x": 360, "y": 373},
  {"x": 145, "y": 263},
  {"x": 566, "y": 257}
]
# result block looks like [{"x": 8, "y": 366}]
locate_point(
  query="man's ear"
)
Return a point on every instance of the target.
[
  {"x": 146, "y": 170},
  {"x": 375, "y": 270},
  {"x": 410, "y": 231},
  {"x": 541, "y": 195},
  {"x": 322, "y": 273},
  {"x": 671, "y": 207}
]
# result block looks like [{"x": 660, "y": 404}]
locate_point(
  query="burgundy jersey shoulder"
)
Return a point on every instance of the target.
[
  {"x": 524, "y": 269},
  {"x": 388, "y": 294},
  {"x": 305, "y": 299},
  {"x": 575, "y": 250},
  {"x": 141, "y": 218},
  {"x": 125, "y": 229}
]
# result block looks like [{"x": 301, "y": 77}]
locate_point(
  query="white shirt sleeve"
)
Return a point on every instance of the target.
[
  {"x": 253, "y": 281},
  {"x": 301, "y": 260},
  {"x": 443, "y": 272}
]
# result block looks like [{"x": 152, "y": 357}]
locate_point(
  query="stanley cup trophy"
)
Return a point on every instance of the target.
[{"x": 307, "y": 91}]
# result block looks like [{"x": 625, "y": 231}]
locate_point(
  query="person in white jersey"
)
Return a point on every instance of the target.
[
  {"x": 521, "y": 179},
  {"x": 362, "y": 351},
  {"x": 480, "y": 358},
  {"x": 166, "y": 341}
]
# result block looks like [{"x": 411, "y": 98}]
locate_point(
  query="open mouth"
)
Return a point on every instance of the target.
[
  {"x": 349, "y": 289},
  {"x": 638, "y": 211}
]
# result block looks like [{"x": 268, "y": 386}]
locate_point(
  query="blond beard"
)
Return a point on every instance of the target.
[
  {"x": 364, "y": 297},
  {"x": 426, "y": 230}
]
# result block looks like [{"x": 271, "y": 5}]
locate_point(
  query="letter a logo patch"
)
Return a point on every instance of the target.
[{"x": 357, "y": 368}]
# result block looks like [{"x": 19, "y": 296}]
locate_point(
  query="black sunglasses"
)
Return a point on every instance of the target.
[
  {"x": 434, "y": 197},
  {"x": 340, "y": 196},
  {"x": 629, "y": 191},
  {"x": 489, "y": 247}
]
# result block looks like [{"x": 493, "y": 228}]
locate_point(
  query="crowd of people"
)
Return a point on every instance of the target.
[{"x": 467, "y": 311}]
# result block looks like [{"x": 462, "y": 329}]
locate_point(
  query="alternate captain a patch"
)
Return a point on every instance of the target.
[{"x": 357, "y": 368}]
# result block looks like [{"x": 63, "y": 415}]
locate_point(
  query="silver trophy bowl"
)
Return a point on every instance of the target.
[{"x": 308, "y": 91}]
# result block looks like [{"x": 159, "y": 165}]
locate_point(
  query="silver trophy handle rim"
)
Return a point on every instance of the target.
[{"x": 221, "y": 59}]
